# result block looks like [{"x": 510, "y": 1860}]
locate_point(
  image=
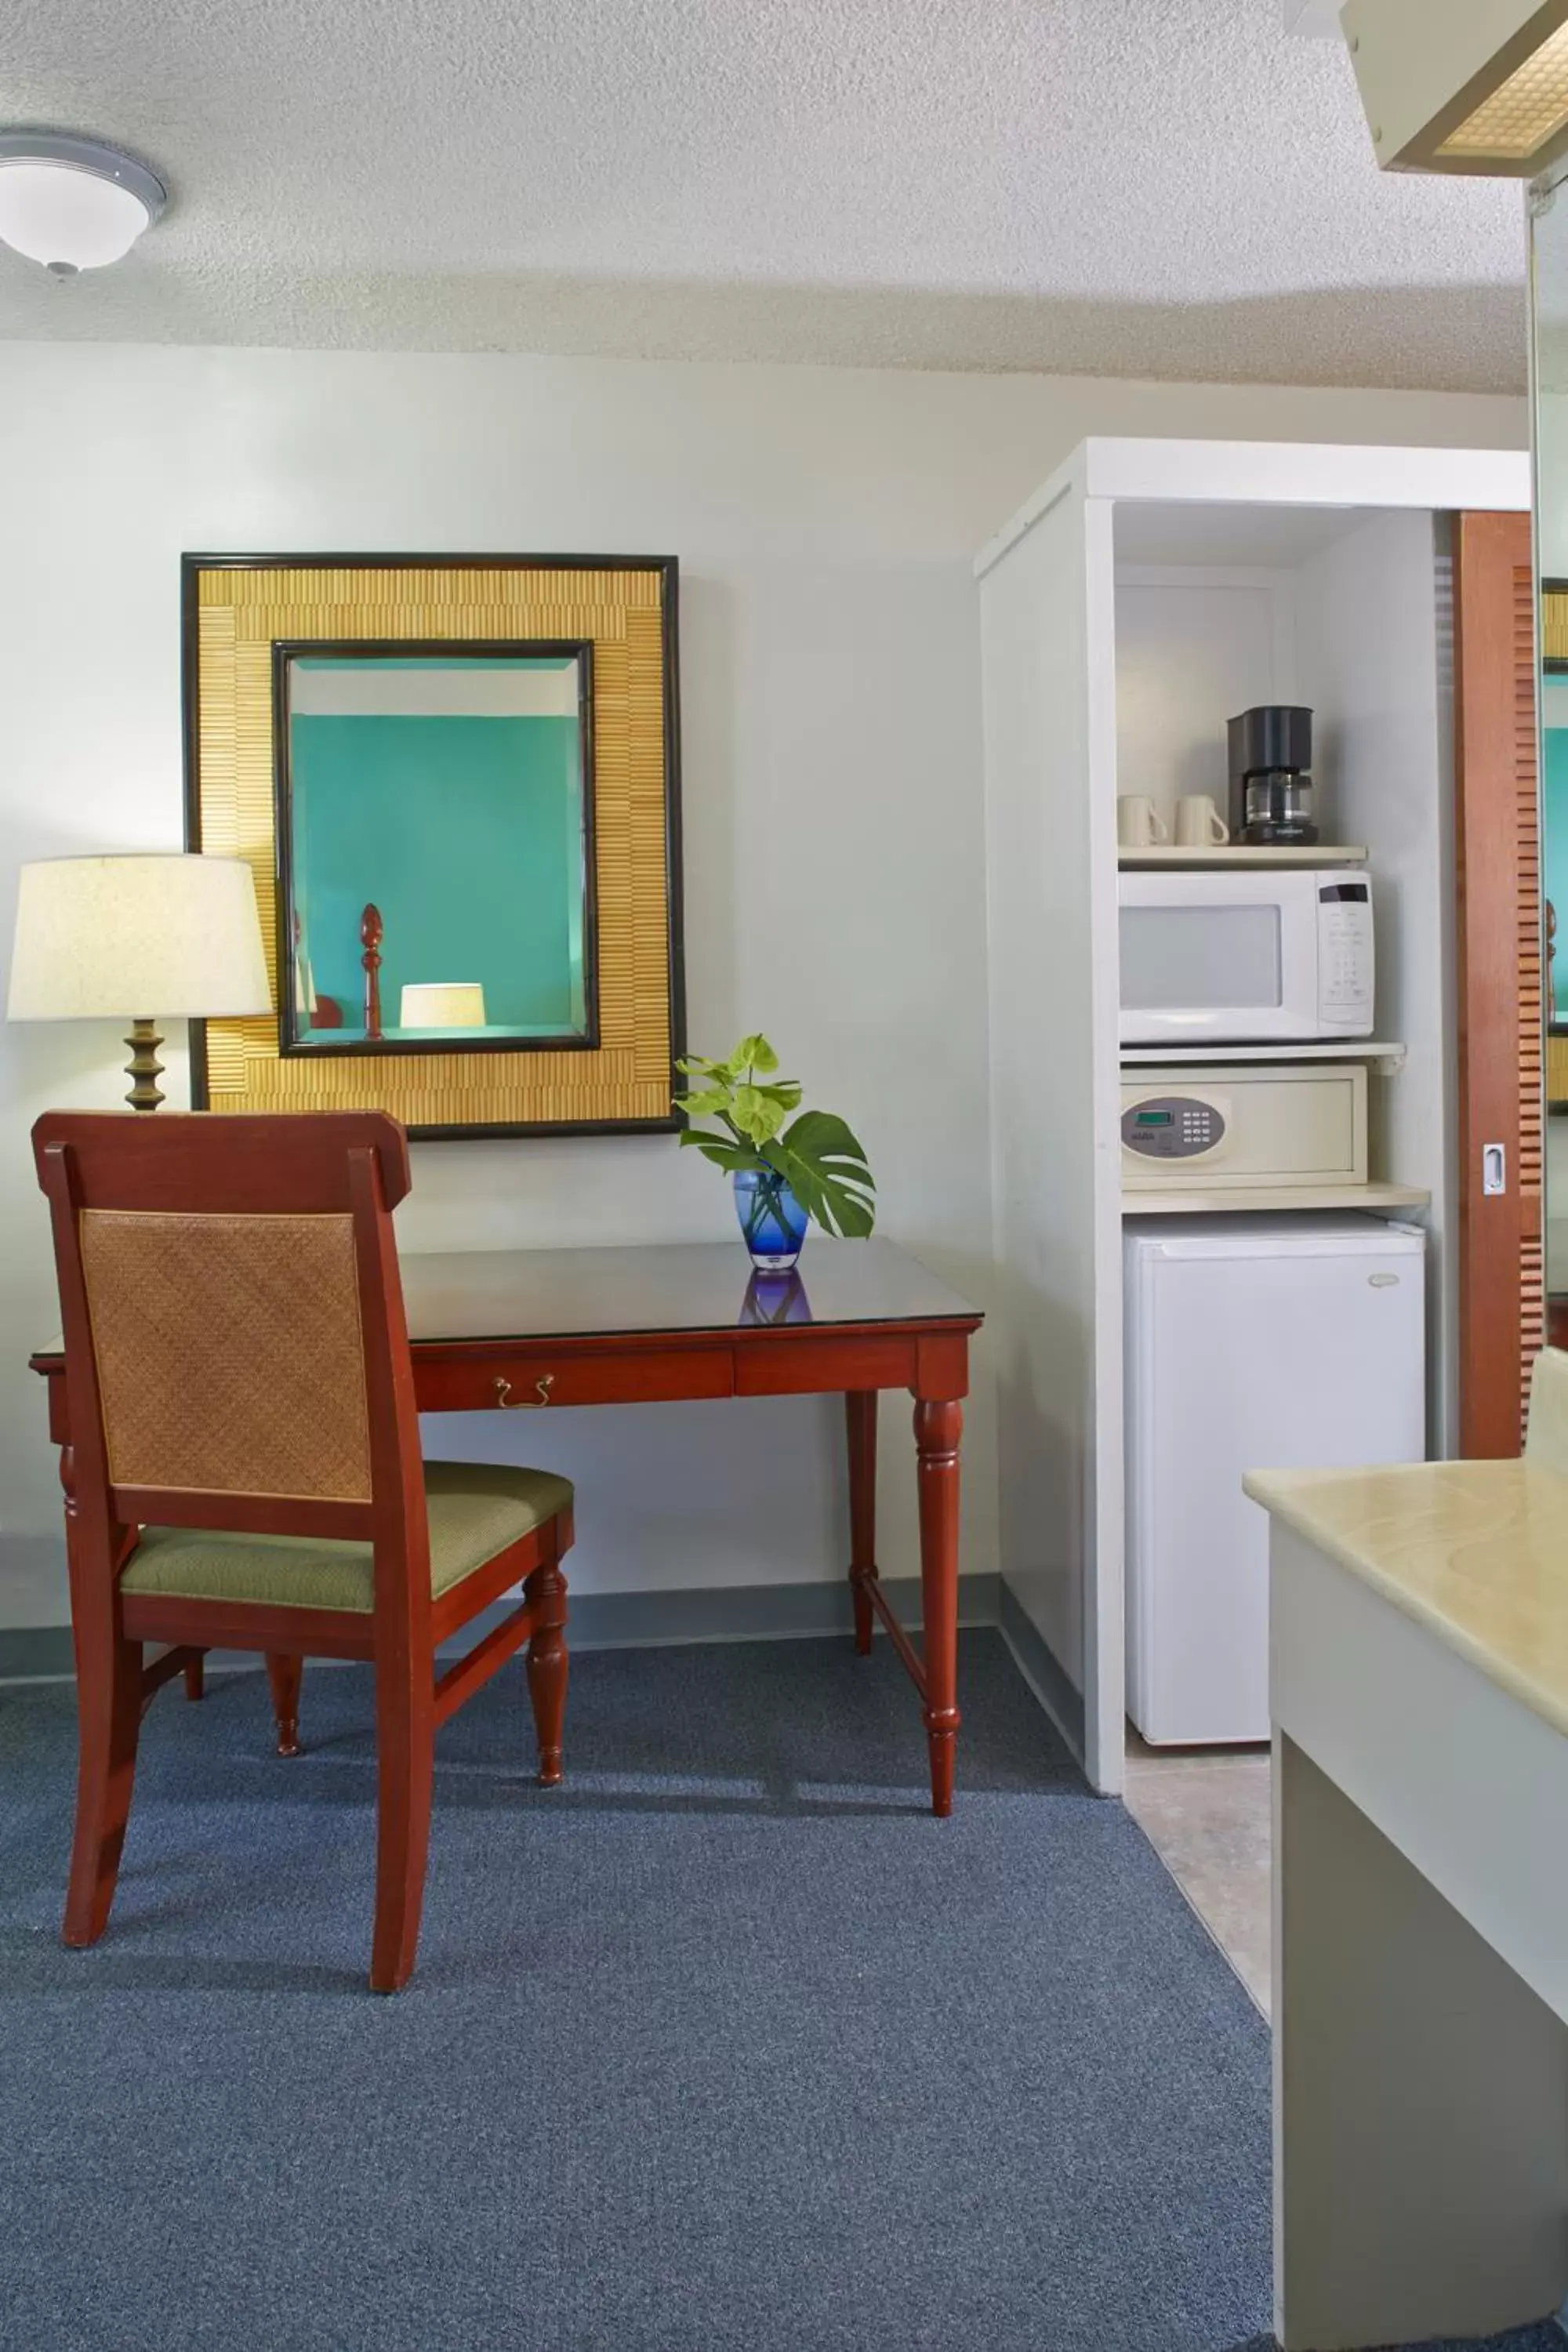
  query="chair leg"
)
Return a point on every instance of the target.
[
  {"x": 109, "y": 1718},
  {"x": 405, "y": 1760},
  {"x": 196, "y": 1678},
  {"x": 546, "y": 1591},
  {"x": 283, "y": 1673}
]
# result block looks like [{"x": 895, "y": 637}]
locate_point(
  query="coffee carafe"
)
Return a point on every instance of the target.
[{"x": 1270, "y": 776}]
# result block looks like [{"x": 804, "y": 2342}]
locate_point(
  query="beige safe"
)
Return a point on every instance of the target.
[{"x": 1249, "y": 1123}]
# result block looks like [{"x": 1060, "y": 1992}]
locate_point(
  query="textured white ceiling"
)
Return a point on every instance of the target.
[
  {"x": 1148, "y": 187},
  {"x": 1319, "y": 18}
]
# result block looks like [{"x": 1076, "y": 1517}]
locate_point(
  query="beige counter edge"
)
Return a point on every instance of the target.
[{"x": 1286, "y": 1494}]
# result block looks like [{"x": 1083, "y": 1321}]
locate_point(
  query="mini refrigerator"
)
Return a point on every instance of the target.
[{"x": 1269, "y": 1342}]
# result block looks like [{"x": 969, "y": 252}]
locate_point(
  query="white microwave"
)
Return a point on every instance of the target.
[{"x": 1260, "y": 955}]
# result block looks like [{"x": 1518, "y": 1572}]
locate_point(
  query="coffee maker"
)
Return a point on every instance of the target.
[{"x": 1270, "y": 776}]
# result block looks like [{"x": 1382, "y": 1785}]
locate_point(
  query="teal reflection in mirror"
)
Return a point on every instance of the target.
[{"x": 435, "y": 831}]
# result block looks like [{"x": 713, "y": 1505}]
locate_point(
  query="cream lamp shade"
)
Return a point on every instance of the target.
[
  {"x": 442, "y": 1005},
  {"x": 138, "y": 937}
]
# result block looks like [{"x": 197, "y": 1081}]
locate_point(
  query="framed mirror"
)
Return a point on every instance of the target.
[
  {"x": 434, "y": 822},
  {"x": 456, "y": 778}
]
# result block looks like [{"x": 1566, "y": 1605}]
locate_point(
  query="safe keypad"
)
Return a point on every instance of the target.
[{"x": 1170, "y": 1126}]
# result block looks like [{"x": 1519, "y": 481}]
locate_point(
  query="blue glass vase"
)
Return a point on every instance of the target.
[{"x": 772, "y": 1223}]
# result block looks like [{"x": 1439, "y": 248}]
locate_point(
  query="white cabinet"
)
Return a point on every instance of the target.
[{"x": 1149, "y": 591}]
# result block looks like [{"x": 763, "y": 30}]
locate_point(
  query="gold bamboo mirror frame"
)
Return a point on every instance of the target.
[{"x": 455, "y": 779}]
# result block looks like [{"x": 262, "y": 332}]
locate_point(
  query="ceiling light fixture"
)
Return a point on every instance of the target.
[
  {"x": 73, "y": 203},
  {"x": 1469, "y": 85}
]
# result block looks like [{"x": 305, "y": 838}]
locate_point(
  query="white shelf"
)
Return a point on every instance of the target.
[
  {"x": 1373, "y": 1197},
  {"x": 1172, "y": 853},
  {"x": 1389, "y": 1056}
]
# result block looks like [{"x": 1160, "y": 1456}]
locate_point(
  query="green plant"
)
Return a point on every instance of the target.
[{"x": 818, "y": 1158}]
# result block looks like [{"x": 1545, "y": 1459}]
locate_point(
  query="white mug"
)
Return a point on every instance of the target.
[
  {"x": 1199, "y": 824},
  {"x": 1139, "y": 825}
]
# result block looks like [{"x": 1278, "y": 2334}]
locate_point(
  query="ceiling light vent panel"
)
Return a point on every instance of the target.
[{"x": 1464, "y": 85}]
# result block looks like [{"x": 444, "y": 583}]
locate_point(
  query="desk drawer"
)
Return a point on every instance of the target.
[
  {"x": 816, "y": 1365},
  {"x": 530, "y": 1380}
]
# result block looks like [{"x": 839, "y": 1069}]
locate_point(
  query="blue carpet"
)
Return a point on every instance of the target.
[{"x": 724, "y": 2044}]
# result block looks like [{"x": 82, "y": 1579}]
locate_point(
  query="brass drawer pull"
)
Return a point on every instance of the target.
[{"x": 525, "y": 1404}]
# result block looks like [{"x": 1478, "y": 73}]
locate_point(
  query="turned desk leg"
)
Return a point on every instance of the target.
[
  {"x": 860, "y": 1423},
  {"x": 545, "y": 1592},
  {"x": 283, "y": 1674},
  {"x": 939, "y": 1428}
]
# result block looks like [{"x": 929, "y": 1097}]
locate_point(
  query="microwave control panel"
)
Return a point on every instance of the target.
[
  {"x": 1173, "y": 1126},
  {"x": 1345, "y": 954}
]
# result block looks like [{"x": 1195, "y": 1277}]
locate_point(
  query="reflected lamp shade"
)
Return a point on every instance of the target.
[
  {"x": 149, "y": 937},
  {"x": 1467, "y": 86},
  {"x": 442, "y": 1005}
]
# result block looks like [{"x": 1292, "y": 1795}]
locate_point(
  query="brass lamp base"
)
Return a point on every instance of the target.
[{"x": 145, "y": 1069}]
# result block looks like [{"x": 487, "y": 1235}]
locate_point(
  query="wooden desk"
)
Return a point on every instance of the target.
[{"x": 531, "y": 1330}]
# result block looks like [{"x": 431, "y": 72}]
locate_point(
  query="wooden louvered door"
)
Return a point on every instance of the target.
[{"x": 1502, "y": 1016}]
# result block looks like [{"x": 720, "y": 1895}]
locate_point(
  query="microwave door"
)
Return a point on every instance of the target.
[{"x": 1211, "y": 960}]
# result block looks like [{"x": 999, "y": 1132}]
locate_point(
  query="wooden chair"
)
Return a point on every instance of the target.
[{"x": 247, "y": 1467}]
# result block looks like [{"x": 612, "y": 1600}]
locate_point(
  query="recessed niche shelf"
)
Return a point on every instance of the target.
[
  {"x": 1375, "y": 1198},
  {"x": 1386, "y": 1057},
  {"x": 1238, "y": 854}
]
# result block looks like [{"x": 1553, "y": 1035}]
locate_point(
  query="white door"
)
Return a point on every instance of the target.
[{"x": 1048, "y": 621}]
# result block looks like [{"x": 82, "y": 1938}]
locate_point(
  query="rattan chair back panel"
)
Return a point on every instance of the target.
[{"x": 229, "y": 1353}]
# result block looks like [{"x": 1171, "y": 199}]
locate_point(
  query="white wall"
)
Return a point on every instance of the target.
[
  {"x": 1552, "y": 483},
  {"x": 1371, "y": 617},
  {"x": 1193, "y": 640},
  {"x": 834, "y": 892}
]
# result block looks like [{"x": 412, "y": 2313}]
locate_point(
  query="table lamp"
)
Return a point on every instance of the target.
[{"x": 178, "y": 934}]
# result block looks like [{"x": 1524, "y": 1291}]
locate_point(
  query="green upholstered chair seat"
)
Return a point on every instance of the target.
[{"x": 477, "y": 1509}]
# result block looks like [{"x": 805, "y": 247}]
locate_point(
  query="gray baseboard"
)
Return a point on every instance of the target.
[
  {"x": 36, "y": 1653},
  {"x": 1041, "y": 1668},
  {"x": 33, "y": 1582},
  {"x": 620, "y": 1620},
  {"x": 751, "y": 1612}
]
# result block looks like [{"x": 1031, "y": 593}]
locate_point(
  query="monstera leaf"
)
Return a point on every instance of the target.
[
  {"x": 720, "y": 1150},
  {"x": 824, "y": 1165}
]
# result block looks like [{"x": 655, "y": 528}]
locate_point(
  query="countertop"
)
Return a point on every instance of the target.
[{"x": 1476, "y": 1551}]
